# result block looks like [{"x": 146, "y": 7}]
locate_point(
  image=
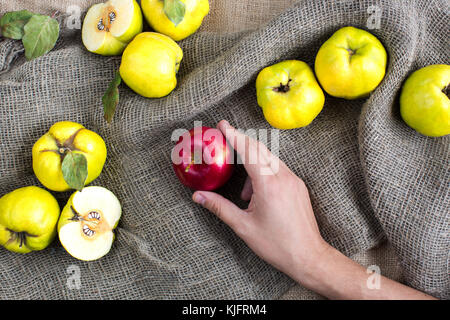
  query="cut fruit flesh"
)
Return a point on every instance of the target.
[
  {"x": 81, "y": 247},
  {"x": 87, "y": 223},
  {"x": 106, "y": 23},
  {"x": 93, "y": 38},
  {"x": 98, "y": 199},
  {"x": 123, "y": 16}
]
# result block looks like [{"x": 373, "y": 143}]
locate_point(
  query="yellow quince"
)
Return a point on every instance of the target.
[
  {"x": 150, "y": 64},
  {"x": 63, "y": 142},
  {"x": 351, "y": 63},
  {"x": 289, "y": 94},
  {"x": 28, "y": 218},
  {"x": 176, "y": 18}
]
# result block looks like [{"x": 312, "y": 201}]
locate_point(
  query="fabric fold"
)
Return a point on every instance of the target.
[{"x": 370, "y": 176}]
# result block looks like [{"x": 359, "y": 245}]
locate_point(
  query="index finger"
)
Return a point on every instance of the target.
[{"x": 256, "y": 157}]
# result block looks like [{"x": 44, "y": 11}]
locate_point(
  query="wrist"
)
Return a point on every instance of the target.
[
  {"x": 308, "y": 271},
  {"x": 325, "y": 273},
  {"x": 334, "y": 275}
]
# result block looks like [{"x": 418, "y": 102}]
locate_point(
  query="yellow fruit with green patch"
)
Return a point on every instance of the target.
[
  {"x": 62, "y": 139},
  {"x": 177, "y": 19}
]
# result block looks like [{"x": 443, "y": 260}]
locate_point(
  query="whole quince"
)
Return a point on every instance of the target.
[
  {"x": 66, "y": 151},
  {"x": 150, "y": 64},
  {"x": 351, "y": 63},
  {"x": 28, "y": 218},
  {"x": 176, "y": 18},
  {"x": 289, "y": 94},
  {"x": 424, "y": 100}
]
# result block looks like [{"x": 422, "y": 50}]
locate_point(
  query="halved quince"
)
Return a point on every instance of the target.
[
  {"x": 86, "y": 225},
  {"x": 108, "y": 27}
]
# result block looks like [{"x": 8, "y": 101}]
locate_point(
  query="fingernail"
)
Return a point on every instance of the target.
[
  {"x": 199, "y": 198},
  {"x": 225, "y": 123}
]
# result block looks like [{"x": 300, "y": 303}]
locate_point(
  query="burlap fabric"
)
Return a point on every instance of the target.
[{"x": 370, "y": 176}]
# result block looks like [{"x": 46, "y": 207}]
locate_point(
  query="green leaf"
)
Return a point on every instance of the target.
[
  {"x": 174, "y": 10},
  {"x": 111, "y": 98},
  {"x": 75, "y": 170},
  {"x": 41, "y": 33},
  {"x": 12, "y": 23}
]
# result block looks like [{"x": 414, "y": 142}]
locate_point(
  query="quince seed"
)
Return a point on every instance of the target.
[
  {"x": 94, "y": 215},
  {"x": 112, "y": 16},
  {"x": 87, "y": 231},
  {"x": 100, "y": 25}
]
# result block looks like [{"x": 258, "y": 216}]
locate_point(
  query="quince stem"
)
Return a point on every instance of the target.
[{"x": 20, "y": 236}]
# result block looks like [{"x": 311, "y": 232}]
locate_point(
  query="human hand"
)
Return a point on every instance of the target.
[{"x": 279, "y": 223}]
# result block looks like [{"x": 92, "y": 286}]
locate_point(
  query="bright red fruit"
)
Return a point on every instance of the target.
[{"x": 203, "y": 159}]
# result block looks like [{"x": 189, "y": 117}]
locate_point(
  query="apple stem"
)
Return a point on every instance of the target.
[{"x": 189, "y": 165}]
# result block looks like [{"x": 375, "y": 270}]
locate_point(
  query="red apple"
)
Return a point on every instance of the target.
[{"x": 203, "y": 159}]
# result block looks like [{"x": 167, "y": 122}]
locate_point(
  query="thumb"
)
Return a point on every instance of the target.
[{"x": 223, "y": 208}]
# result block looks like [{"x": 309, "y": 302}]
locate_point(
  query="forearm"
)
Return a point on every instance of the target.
[{"x": 336, "y": 276}]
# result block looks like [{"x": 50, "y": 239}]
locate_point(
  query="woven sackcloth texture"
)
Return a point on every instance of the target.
[{"x": 370, "y": 176}]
